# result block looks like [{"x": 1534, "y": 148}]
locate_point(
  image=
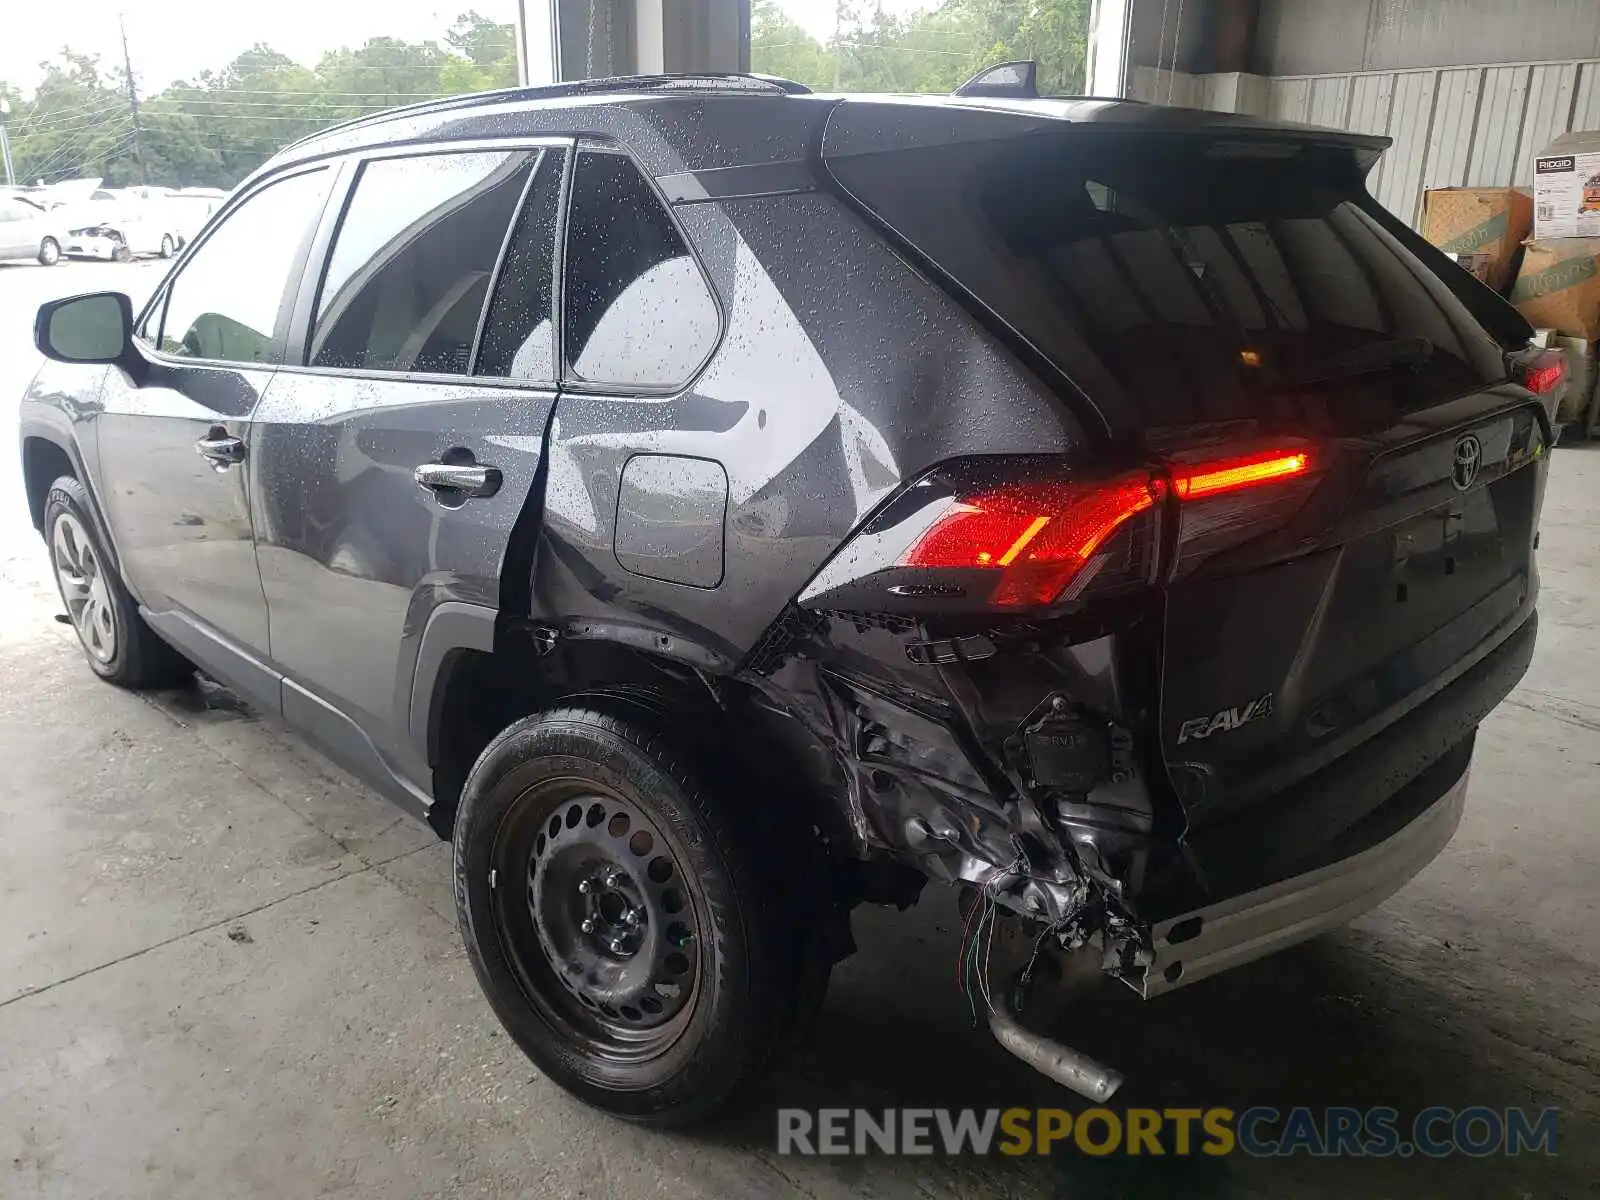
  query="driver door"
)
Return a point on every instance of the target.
[{"x": 173, "y": 434}]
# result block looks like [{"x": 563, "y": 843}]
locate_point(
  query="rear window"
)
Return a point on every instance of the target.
[{"x": 1195, "y": 281}]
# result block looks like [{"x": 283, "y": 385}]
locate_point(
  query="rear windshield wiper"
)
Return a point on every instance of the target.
[{"x": 1363, "y": 360}]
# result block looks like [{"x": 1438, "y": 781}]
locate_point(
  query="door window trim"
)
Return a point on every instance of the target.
[
  {"x": 305, "y": 306},
  {"x": 641, "y": 391},
  {"x": 283, "y": 324}
]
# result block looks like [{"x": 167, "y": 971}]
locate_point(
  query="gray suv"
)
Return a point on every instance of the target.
[{"x": 715, "y": 506}]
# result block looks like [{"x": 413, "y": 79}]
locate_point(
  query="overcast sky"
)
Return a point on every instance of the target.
[{"x": 176, "y": 39}]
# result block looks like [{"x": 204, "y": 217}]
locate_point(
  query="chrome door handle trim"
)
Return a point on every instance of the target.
[{"x": 459, "y": 480}]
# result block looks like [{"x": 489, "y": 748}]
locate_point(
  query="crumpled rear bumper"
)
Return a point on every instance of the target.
[{"x": 1193, "y": 945}]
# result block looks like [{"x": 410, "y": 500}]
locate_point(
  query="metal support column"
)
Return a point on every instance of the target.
[{"x": 589, "y": 39}]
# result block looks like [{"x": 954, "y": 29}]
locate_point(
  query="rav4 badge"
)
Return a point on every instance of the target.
[{"x": 1226, "y": 721}]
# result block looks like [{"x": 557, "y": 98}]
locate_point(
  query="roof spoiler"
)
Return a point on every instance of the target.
[{"x": 1018, "y": 80}]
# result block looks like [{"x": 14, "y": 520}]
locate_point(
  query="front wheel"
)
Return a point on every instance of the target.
[
  {"x": 620, "y": 916},
  {"x": 49, "y": 252},
  {"x": 168, "y": 249},
  {"x": 122, "y": 253},
  {"x": 120, "y": 647}
]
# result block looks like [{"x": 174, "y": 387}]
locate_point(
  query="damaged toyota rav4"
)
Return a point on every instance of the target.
[{"x": 715, "y": 506}]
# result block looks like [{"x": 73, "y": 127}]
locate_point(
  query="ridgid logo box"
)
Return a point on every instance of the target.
[{"x": 1566, "y": 187}]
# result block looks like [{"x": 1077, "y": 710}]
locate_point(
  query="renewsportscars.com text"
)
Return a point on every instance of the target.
[{"x": 1260, "y": 1132}]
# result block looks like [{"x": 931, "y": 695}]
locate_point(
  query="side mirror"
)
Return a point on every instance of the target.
[{"x": 97, "y": 328}]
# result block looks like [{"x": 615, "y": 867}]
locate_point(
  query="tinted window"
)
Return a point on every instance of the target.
[
  {"x": 1189, "y": 279},
  {"x": 638, "y": 311},
  {"x": 519, "y": 336},
  {"x": 226, "y": 301},
  {"x": 410, "y": 267}
]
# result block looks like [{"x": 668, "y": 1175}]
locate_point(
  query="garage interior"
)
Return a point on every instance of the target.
[{"x": 228, "y": 969}]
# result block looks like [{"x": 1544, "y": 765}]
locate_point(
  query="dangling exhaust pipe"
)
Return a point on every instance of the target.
[{"x": 1065, "y": 1065}]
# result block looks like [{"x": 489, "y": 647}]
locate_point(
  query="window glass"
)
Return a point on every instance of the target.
[
  {"x": 638, "y": 311},
  {"x": 519, "y": 336},
  {"x": 410, "y": 267},
  {"x": 225, "y": 302},
  {"x": 1189, "y": 279}
]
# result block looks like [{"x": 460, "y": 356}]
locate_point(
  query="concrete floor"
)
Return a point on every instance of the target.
[{"x": 226, "y": 969}]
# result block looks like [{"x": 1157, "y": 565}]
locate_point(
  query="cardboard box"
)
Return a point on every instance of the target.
[
  {"x": 1559, "y": 286},
  {"x": 1566, "y": 187},
  {"x": 1484, "y": 225}
]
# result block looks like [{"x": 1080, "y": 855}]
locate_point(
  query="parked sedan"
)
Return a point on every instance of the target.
[
  {"x": 118, "y": 228},
  {"x": 28, "y": 231}
]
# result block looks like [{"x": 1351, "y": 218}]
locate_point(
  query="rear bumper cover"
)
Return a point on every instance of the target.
[{"x": 1193, "y": 945}]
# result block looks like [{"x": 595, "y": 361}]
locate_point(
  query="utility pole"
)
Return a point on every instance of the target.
[
  {"x": 133, "y": 100},
  {"x": 5, "y": 144},
  {"x": 838, "y": 43}
]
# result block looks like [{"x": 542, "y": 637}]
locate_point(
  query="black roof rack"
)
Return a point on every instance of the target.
[{"x": 707, "y": 82}]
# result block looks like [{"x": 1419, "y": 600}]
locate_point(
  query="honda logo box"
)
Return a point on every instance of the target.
[{"x": 1566, "y": 187}]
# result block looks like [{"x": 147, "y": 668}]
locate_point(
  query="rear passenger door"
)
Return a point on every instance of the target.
[{"x": 388, "y": 474}]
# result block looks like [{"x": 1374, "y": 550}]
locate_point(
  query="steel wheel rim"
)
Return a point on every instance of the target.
[
  {"x": 83, "y": 587},
  {"x": 623, "y": 990}
]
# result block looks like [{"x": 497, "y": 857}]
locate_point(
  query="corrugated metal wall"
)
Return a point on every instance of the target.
[
  {"x": 1322, "y": 37},
  {"x": 1452, "y": 126}
]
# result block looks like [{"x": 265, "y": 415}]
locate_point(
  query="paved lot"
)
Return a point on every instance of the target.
[{"x": 227, "y": 970}]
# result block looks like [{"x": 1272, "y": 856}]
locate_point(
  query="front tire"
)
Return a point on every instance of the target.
[
  {"x": 119, "y": 646},
  {"x": 49, "y": 252},
  {"x": 167, "y": 247},
  {"x": 620, "y": 914}
]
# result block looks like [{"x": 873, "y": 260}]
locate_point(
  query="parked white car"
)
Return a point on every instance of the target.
[
  {"x": 28, "y": 231},
  {"x": 119, "y": 226}
]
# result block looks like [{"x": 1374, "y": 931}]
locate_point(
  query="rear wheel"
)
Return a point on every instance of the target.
[
  {"x": 620, "y": 915},
  {"x": 122, "y": 253},
  {"x": 168, "y": 248},
  {"x": 120, "y": 647},
  {"x": 49, "y": 252}
]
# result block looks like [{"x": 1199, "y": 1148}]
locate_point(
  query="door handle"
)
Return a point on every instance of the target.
[
  {"x": 458, "y": 480},
  {"x": 222, "y": 448}
]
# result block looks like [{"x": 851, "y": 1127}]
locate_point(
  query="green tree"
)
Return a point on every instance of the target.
[
  {"x": 779, "y": 46},
  {"x": 219, "y": 126}
]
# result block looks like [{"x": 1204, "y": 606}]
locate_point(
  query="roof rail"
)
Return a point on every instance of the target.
[
  {"x": 706, "y": 82},
  {"x": 1018, "y": 80}
]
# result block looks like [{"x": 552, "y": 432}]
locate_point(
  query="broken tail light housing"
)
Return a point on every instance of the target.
[
  {"x": 1026, "y": 532},
  {"x": 1038, "y": 537}
]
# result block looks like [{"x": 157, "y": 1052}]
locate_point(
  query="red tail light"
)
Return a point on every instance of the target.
[
  {"x": 1541, "y": 371},
  {"x": 976, "y": 534},
  {"x": 1194, "y": 481},
  {"x": 1037, "y": 535},
  {"x": 1545, "y": 379}
]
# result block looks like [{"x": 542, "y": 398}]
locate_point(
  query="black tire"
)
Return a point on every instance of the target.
[
  {"x": 136, "y": 657},
  {"x": 122, "y": 254},
  {"x": 49, "y": 252},
  {"x": 747, "y": 982},
  {"x": 168, "y": 246}
]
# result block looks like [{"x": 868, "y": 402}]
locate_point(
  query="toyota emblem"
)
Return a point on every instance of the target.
[{"x": 1468, "y": 459}]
